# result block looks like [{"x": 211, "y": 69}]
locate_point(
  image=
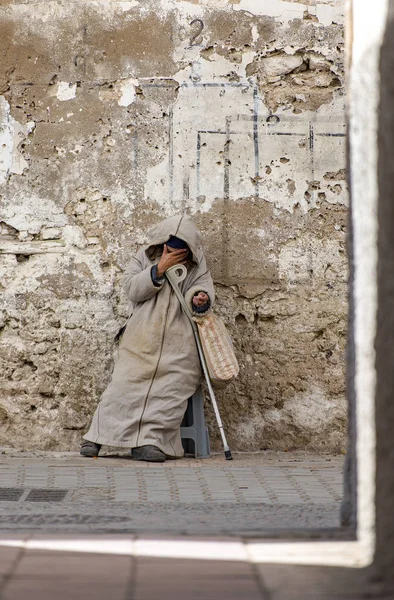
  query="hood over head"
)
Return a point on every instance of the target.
[{"x": 180, "y": 226}]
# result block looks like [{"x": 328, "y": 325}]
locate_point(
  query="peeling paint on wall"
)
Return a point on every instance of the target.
[
  {"x": 12, "y": 134},
  {"x": 66, "y": 91},
  {"x": 325, "y": 12},
  {"x": 127, "y": 90},
  {"x": 241, "y": 150},
  {"x": 230, "y": 111}
]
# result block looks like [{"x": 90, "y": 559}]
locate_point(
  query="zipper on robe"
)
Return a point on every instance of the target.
[{"x": 156, "y": 369}]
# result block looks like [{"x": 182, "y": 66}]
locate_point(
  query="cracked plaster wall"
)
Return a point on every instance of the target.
[{"x": 115, "y": 115}]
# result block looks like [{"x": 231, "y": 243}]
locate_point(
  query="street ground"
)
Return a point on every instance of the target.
[
  {"x": 251, "y": 495},
  {"x": 73, "y": 527}
]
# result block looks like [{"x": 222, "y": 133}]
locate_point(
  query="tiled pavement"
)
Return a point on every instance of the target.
[
  {"x": 252, "y": 493},
  {"x": 212, "y": 480}
]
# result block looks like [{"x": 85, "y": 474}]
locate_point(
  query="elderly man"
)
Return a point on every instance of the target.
[{"x": 158, "y": 367}]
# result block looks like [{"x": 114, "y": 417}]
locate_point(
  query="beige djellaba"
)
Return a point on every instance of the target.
[{"x": 158, "y": 367}]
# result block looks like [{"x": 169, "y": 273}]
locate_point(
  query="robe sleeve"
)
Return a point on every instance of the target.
[
  {"x": 137, "y": 282},
  {"x": 203, "y": 282}
]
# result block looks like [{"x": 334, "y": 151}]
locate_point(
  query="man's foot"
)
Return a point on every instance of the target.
[
  {"x": 149, "y": 453},
  {"x": 89, "y": 449}
]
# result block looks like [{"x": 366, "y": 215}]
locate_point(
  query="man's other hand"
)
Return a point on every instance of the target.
[{"x": 201, "y": 299}]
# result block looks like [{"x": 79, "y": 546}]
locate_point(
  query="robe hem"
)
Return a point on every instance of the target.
[{"x": 105, "y": 442}]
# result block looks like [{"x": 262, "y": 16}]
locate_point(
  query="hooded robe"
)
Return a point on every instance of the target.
[{"x": 158, "y": 367}]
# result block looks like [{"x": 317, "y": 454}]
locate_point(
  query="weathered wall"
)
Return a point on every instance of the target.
[{"x": 115, "y": 115}]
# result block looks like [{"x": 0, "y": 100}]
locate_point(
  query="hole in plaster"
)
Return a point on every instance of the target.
[
  {"x": 30, "y": 364},
  {"x": 22, "y": 257},
  {"x": 272, "y": 119},
  {"x": 240, "y": 318}
]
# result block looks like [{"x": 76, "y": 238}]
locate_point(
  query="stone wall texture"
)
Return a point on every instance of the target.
[{"x": 114, "y": 115}]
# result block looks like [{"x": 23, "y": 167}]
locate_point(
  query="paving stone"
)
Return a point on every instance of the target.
[
  {"x": 78, "y": 566},
  {"x": 194, "y": 580},
  {"x": 289, "y": 582},
  {"x": 8, "y": 558},
  {"x": 52, "y": 589}
]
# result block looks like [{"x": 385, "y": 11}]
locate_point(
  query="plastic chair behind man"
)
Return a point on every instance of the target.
[{"x": 194, "y": 432}]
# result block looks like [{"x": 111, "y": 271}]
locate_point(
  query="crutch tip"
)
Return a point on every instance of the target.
[{"x": 227, "y": 454}]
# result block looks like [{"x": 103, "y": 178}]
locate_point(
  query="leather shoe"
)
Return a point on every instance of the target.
[
  {"x": 89, "y": 449},
  {"x": 148, "y": 453}
]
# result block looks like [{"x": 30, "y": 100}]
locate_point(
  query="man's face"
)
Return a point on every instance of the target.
[{"x": 171, "y": 250}]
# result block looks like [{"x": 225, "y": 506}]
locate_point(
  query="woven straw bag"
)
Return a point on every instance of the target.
[
  {"x": 218, "y": 349},
  {"x": 211, "y": 335}
]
